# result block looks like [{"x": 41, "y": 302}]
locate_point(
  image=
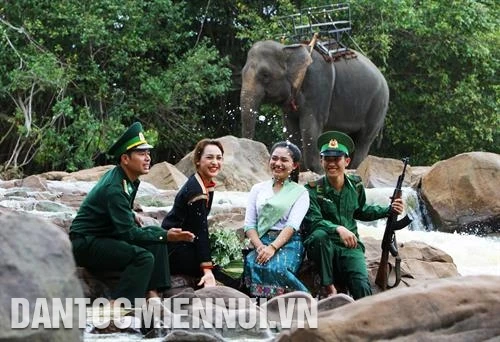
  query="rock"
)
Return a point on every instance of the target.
[
  {"x": 327, "y": 304},
  {"x": 7, "y": 184},
  {"x": 223, "y": 292},
  {"x": 51, "y": 206},
  {"x": 88, "y": 175},
  {"x": 301, "y": 301},
  {"x": 417, "y": 172},
  {"x": 462, "y": 193},
  {"x": 382, "y": 172},
  {"x": 245, "y": 164},
  {"x": 452, "y": 309},
  {"x": 36, "y": 262},
  {"x": 232, "y": 220},
  {"x": 308, "y": 176},
  {"x": 190, "y": 336},
  {"x": 34, "y": 182},
  {"x": 165, "y": 176},
  {"x": 99, "y": 284},
  {"x": 220, "y": 312},
  {"x": 419, "y": 262},
  {"x": 54, "y": 175}
]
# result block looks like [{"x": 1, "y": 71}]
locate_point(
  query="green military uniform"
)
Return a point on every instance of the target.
[
  {"x": 329, "y": 209},
  {"x": 105, "y": 236}
]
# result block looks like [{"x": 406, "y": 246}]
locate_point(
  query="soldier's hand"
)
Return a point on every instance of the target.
[
  {"x": 348, "y": 238},
  {"x": 398, "y": 205},
  {"x": 177, "y": 234},
  {"x": 138, "y": 220}
]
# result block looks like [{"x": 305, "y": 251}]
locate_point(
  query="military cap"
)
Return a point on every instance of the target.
[
  {"x": 133, "y": 138},
  {"x": 335, "y": 144}
]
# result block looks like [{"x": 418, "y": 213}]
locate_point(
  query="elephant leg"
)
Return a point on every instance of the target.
[
  {"x": 293, "y": 133},
  {"x": 359, "y": 154},
  {"x": 292, "y": 126},
  {"x": 364, "y": 140},
  {"x": 310, "y": 129}
]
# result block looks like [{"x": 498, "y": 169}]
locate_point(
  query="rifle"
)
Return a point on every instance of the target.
[{"x": 389, "y": 243}]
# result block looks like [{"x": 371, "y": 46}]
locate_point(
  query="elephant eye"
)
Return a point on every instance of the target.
[{"x": 264, "y": 76}]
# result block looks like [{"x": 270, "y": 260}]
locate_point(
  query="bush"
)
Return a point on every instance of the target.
[{"x": 225, "y": 246}]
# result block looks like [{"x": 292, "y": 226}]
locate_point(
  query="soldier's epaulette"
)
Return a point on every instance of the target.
[
  {"x": 125, "y": 187},
  {"x": 312, "y": 184},
  {"x": 355, "y": 178},
  {"x": 357, "y": 182}
]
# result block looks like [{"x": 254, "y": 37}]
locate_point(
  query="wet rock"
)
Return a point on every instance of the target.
[
  {"x": 245, "y": 163},
  {"x": 36, "y": 262},
  {"x": 452, "y": 309},
  {"x": 462, "y": 193}
]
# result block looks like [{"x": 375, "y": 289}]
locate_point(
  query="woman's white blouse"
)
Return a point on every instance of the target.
[{"x": 261, "y": 193}]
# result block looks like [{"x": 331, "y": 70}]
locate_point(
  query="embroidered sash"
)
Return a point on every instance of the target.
[{"x": 277, "y": 206}]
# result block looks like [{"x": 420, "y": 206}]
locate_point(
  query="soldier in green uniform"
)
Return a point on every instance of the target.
[
  {"x": 106, "y": 235},
  {"x": 337, "y": 201}
]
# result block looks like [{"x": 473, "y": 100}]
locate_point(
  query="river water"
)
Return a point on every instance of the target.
[{"x": 473, "y": 255}]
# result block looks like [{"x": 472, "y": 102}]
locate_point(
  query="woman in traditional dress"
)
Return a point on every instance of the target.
[
  {"x": 273, "y": 217},
  {"x": 189, "y": 213}
]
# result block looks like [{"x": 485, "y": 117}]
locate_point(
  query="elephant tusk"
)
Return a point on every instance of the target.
[{"x": 312, "y": 43}]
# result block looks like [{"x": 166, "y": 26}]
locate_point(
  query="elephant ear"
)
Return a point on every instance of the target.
[{"x": 298, "y": 60}]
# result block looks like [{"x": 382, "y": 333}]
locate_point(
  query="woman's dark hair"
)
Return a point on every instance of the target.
[
  {"x": 200, "y": 146},
  {"x": 296, "y": 156}
]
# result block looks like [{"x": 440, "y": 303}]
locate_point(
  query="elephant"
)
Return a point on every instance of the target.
[{"x": 349, "y": 95}]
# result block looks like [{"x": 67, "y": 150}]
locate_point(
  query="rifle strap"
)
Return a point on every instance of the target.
[{"x": 397, "y": 270}]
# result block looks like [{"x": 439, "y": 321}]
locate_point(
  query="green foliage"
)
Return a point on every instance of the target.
[
  {"x": 73, "y": 75},
  {"x": 269, "y": 125},
  {"x": 191, "y": 82},
  {"x": 262, "y": 22},
  {"x": 225, "y": 246},
  {"x": 440, "y": 62},
  {"x": 95, "y": 67}
]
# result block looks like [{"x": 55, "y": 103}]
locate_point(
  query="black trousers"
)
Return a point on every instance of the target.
[{"x": 143, "y": 267}]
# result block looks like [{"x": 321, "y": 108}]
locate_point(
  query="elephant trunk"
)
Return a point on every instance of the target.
[{"x": 250, "y": 104}]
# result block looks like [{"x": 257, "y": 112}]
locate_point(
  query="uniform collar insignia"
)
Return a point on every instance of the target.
[{"x": 125, "y": 186}]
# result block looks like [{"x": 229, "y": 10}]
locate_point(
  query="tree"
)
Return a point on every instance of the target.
[
  {"x": 73, "y": 74},
  {"x": 439, "y": 60},
  {"x": 94, "y": 67}
]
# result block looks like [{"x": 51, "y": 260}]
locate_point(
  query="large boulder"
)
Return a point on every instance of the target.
[
  {"x": 379, "y": 172},
  {"x": 245, "y": 163},
  {"x": 419, "y": 262},
  {"x": 451, "y": 309},
  {"x": 87, "y": 175},
  {"x": 36, "y": 262},
  {"x": 417, "y": 172},
  {"x": 462, "y": 193},
  {"x": 165, "y": 176}
]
